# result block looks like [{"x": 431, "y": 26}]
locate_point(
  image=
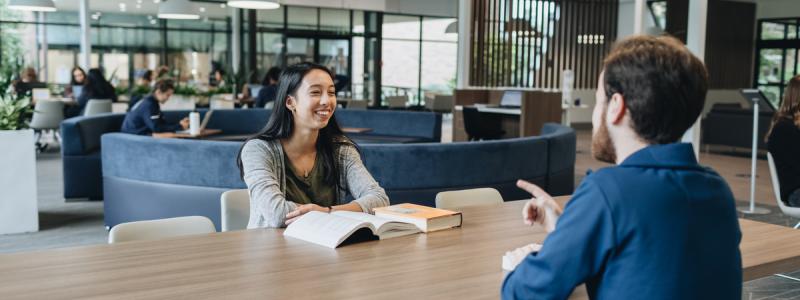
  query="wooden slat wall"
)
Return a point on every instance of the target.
[
  {"x": 730, "y": 40},
  {"x": 567, "y": 34}
]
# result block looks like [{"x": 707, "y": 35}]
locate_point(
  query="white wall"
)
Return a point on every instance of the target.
[{"x": 778, "y": 9}]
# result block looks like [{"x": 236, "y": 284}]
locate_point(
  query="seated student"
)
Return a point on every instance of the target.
[
  {"x": 783, "y": 143},
  {"x": 657, "y": 225},
  {"x": 145, "y": 118},
  {"x": 301, "y": 161},
  {"x": 95, "y": 87},
  {"x": 78, "y": 79},
  {"x": 270, "y": 86}
]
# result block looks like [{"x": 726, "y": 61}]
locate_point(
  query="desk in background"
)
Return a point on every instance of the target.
[
  {"x": 538, "y": 107},
  {"x": 261, "y": 263}
]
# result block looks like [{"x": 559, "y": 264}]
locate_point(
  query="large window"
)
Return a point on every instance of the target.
[
  {"x": 123, "y": 45},
  {"x": 419, "y": 56},
  {"x": 776, "y": 63}
]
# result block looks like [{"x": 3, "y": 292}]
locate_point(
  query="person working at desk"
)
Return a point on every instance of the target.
[
  {"x": 301, "y": 161},
  {"x": 657, "y": 225},
  {"x": 76, "y": 83},
  {"x": 783, "y": 143},
  {"x": 145, "y": 118},
  {"x": 95, "y": 87},
  {"x": 270, "y": 83}
]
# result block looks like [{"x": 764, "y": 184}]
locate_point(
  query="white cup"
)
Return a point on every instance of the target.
[{"x": 194, "y": 123}]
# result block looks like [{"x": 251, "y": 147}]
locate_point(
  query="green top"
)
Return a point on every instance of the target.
[{"x": 311, "y": 189}]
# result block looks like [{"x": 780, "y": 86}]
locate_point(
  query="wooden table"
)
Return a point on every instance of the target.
[
  {"x": 457, "y": 263},
  {"x": 184, "y": 135}
]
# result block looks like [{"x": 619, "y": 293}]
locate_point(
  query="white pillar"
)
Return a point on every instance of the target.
[
  {"x": 696, "y": 42},
  {"x": 639, "y": 13},
  {"x": 236, "y": 40},
  {"x": 464, "y": 37},
  {"x": 42, "y": 71},
  {"x": 85, "y": 60}
]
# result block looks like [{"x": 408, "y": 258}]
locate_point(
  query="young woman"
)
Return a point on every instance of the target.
[
  {"x": 95, "y": 87},
  {"x": 783, "y": 143},
  {"x": 301, "y": 161},
  {"x": 78, "y": 80}
]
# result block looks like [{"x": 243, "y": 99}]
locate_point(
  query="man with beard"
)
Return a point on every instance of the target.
[{"x": 657, "y": 225}]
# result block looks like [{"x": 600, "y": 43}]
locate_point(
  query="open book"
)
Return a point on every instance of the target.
[{"x": 332, "y": 230}]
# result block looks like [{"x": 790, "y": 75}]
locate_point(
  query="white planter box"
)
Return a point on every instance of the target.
[
  {"x": 19, "y": 210},
  {"x": 179, "y": 102}
]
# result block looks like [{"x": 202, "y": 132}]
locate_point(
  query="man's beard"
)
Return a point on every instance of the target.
[{"x": 602, "y": 147}]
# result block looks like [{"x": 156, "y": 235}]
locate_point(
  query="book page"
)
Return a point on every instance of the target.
[
  {"x": 323, "y": 229},
  {"x": 380, "y": 225}
]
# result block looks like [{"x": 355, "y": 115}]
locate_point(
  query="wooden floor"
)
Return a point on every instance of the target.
[{"x": 734, "y": 168}]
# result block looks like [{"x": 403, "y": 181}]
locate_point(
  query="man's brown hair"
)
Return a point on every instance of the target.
[{"x": 663, "y": 84}]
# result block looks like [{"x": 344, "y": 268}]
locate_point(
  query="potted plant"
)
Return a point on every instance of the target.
[{"x": 18, "y": 204}]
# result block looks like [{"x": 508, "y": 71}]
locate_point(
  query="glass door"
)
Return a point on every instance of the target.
[{"x": 335, "y": 55}]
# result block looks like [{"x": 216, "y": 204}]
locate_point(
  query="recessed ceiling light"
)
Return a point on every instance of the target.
[
  {"x": 177, "y": 9},
  {"x": 254, "y": 4},
  {"x": 32, "y": 5}
]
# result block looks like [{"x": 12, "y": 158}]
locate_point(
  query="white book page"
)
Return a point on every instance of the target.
[
  {"x": 324, "y": 229},
  {"x": 380, "y": 225}
]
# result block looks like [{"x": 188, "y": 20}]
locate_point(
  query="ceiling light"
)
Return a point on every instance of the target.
[
  {"x": 254, "y": 4},
  {"x": 32, "y": 5},
  {"x": 177, "y": 9}
]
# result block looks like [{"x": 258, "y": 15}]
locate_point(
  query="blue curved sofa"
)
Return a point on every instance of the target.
[
  {"x": 173, "y": 177},
  {"x": 80, "y": 149}
]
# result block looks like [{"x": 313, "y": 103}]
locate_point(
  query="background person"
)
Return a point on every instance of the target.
[
  {"x": 145, "y": 118},
  {"x": 783, "y": 142},
  {"x": 270, "y": 87}
]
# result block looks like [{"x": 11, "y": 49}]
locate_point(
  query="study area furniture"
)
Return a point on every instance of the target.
[
  {"x": 793, "y": 212},
  {"x": 81, "y": 137},
  {"x": 205, "y": 133},
  {"x": 536, "y": 108},
  {"x": 725, "y": 124},
  {"x": 160, "y": 229},
  {"x": 97, "y": 106},
  {"x": 47, "y": 115},
  {"x": 235, "y": 210},
  {"x": 455, "y": 200},
  {"x": 460, "y": 263},
  {"x": 187, "y": 177}
]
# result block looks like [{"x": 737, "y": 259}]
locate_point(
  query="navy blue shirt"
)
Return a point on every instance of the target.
[
  {"x": 658, "y": 226},
  {"x": 145, "y": 118},
  {"x": 266, "y": 95}
]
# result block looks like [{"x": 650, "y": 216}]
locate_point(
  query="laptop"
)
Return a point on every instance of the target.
[
  {"x": 40, "y": 94},
  {"x": 511, "y": 99},
  {"x": 203, "y": 124}
]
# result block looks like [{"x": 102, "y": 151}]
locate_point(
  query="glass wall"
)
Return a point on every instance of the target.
[
  {"x": 777, "y": 49},
  {"x": 123, "y": 45},
  {"x": 372, "y": 54},
  {"x": 419, "y": 56}
]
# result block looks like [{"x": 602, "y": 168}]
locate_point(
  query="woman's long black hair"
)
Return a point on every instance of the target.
[
  {"x": 96, "y": 85},
  {"x": 281, "y": 123}
]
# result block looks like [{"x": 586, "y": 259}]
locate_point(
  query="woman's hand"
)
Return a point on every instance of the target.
[
  {"x": 541, "y": 209},
  {"x": 302, "y": 210}
]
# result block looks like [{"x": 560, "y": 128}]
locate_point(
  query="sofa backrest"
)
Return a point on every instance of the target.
[
  {"x": 426, "y": 125},
  {"x": 81, "y": 135}
]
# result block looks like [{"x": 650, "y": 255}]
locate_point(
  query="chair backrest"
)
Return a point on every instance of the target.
[
  {"x": 441, "y": 103},
  {"x": 159, "y": 229},
  {"x": 471, "y": 197},
  {"x": 97, "y": 106},
  {"x": 235, "y": 209},
  {"x": 776, "y": 186},
  {"x": 357, "y": 104},
  {"x": 397, "y": 101},
  {"x": 47, "y": 114},
  {"x": 472, "y": 120}
]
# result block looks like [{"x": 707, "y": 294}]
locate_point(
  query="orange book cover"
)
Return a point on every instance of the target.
[{"x": 415, "y": 211}]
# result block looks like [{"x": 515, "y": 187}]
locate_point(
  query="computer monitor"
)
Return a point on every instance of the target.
[
  {"x": 76, "y": 91},
  {"x": 511, "y": 99},
  {"x": 40, "y": 93}
]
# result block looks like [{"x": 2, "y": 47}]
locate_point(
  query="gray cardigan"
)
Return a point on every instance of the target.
[{"x": 265, "y": 176}]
